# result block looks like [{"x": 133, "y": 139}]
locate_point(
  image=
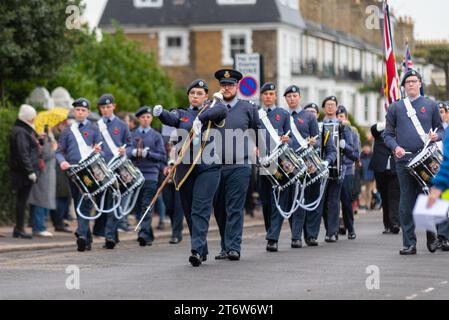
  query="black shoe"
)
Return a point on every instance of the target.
[
  {"x": 296, "y": 244},
  {"x": 387, "y": 231},
  {"x": 174, "y": 240},
  {"x": 352, "y": 236},
  {"x": 332, "y": 238},
  {"x": 222, "y": 256},
  {"x": 160, "y": 226},
  {"x": 143, "y": 242},
  {"x": 109, "y": 244},
  {"x": 272, "y": 246},
  {"x": 88, "y": 247},
  {"x": 21, "y": 234},
  {"x": 195, "y": 259},
  {"x": 81, "y": 243},
  {"x": 312, "y": 242},
  {"x": 407, "y": 251},
  {"x": 433, "y": 242},
  {"x": 204, "y": 258},
  {"x": 233, "y": 255},
  {"x": 445, "y": 245},
  {"x": 342, "y": 231},
  {"x": 395, "y": 229}
]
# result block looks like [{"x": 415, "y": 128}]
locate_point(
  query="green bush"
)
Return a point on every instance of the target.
[{"x": 7, "y": 119}]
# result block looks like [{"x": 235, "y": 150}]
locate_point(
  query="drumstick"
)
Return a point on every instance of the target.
[{"x": 184, "y": 149}]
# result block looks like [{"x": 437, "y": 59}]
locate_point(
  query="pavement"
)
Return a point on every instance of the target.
[{"x": 67, "y": 240}]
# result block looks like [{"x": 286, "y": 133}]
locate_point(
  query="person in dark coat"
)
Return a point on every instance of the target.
[{"x": 24, "y": 163}]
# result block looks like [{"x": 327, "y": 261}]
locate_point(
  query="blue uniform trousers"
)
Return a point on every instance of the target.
[
  {"x": 346, "y": 202},
  {"x": 197, "y": 194},
  {"x": 172, "y": 200},
  {"x": 228, "y": 206},
  {"x": 265, "y": 189},
  {"x": 83, "y": 229},
  {"x": 147, "y": 193},
  {"x": 331, "y": 207},
  {"x": 312, "y": 219},
  {"x": 277, "y": 220}
]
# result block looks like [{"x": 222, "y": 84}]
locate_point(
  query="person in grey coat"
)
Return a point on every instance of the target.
[{"x": 42, "y": 198}]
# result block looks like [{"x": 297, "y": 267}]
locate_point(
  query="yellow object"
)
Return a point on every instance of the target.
[
  {"x": 445, "y": 195},
  {"x": 51, "y": 117}
]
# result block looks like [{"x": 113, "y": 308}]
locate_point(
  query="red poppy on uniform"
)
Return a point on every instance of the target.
[
  {"x": 300, "y": 121},
  {"x": 116, "y": 131},
  {"x": 278, "y": 117},
  {"x": 185, "y": 119},
  {"x": 86, "y": 134},
  {"x": 423, "y": 110}
]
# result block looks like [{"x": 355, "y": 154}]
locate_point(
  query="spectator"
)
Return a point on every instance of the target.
[
  {"x": 368, "y": 185},
  {"x": 63, "y": 196},
  {"x": 25, "y": 163},
  {"x": 42, "y": 197}
]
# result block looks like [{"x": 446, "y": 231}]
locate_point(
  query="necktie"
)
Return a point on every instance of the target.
[
  {"x": 229, "y": 107},
  {"x": 294, "y": 113},
  {"x": 81, "y": 125},
  {"x": 269, "y": 110},
  {"x": 195, "y": 108},
  {"x": 108, "y": 121}
]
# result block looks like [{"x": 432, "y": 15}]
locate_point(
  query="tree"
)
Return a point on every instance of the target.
[
  {"x": 438, "y": 55},
  {"x": 34, "y": 39},
  {"x": 116, "y": 65}
]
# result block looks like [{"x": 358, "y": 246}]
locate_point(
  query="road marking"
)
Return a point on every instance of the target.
[
  {"x": 413, "y": 296},
  {"x": 443, "y": 282},
  {"x": 428, "y": 290}
]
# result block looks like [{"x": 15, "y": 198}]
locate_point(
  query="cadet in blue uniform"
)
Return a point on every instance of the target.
[
  {"x": 402, "y": 137},
  {"x": 331, "y": 205},
  {"x": 197, "y": 178},
  {"x": 307, "y": 125},
  {"x": 69, "y": 153},
  {"x": 147, "y": 154},
  {"x": 236, "y": 169},
  {"x": 279, "y": 119},
  {"x": 348, "y": 181},
  {"x": 115, "y": 135}
]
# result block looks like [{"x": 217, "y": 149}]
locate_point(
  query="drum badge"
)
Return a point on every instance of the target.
[
  {"x": 126, "y": 176},
  {"x": 287, "y": 166},
  {"x": 98, "y": 173},
  {"x": 87, "y": 181}
]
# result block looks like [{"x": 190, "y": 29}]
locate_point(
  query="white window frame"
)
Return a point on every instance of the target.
[
  {"x": 226, "y": 44},
  {"x": 148, "y": 3},
  {"x": 165, "y": 56},
  {"x": 235, "y": 2}
]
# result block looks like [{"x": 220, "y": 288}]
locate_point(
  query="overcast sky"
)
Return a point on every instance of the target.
[{"x": 429, "y": 15}]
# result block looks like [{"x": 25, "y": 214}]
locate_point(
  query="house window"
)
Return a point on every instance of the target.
[
  {"x": 366, "y": 113},
  {"x": 235, "y": 42},
  {"x": 174, "y": 48},
  {"x": 234, "y": 2},
  {"x": 148, "y": 3}
]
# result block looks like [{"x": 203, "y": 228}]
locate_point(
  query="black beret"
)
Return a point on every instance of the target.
[
  {"x": 410, "y": 73},
  {"x": 81, "y": 102},
  {"x": 342, "y": 110},
  {"x": 267, "y": 86},
  {"x": 198, "y": 84},
  {"x": 228, "y": 76},
  {"x": 330, "y": 98},
  {"x": 443, "y": 105},
  {"x": 143, "y": 110},
  {"x": 292, "y": 89},
  {"x": 312, "y": 105},
  {"x": 105, "y": 99}
]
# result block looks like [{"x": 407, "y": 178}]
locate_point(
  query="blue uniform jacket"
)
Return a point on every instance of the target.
[
  {"x": 441, "y": 181},
  {"x": 151, "y": 165},
  {"x": 183, "y": 119},
  {"x": 400, "y": 130},
  {"x": 68, "y": 147},
  {"x": 120, "y": 134},
  {"x": 280, "y": 120}
]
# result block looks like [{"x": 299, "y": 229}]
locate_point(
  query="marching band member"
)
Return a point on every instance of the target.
[
  {"x": 73, "y": 144},
  {"x": 279, "y": 120},
  {"x": 236, "y": 169},
  {"x": 410, "y": 123},
  {"x": 116, "y": 135},
  {"x": 331, "y": 206},
  {"x": 196, "y": 179},
  {"x": 348, "y": 180},
  {"x": 147, "y": 154},
  {"x": 444, "y": 112},
  {"x": 307, "y": 125}
]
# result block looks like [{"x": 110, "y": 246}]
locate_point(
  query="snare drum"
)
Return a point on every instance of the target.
[
  {"x": 315, "y": 170},
  {"x": 283, "y": 167},
  {"x": 92, "y": 175},
  {"x": 128, "y": 176},
  {"x": 425, "y": 165}
]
